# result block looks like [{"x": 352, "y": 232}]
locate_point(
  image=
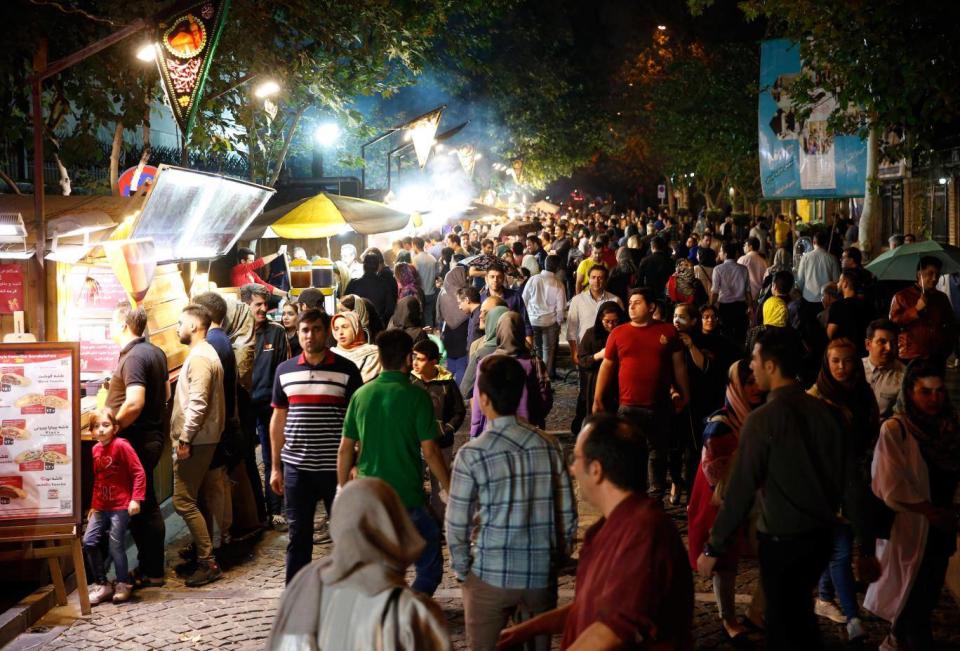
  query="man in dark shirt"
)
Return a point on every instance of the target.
[
  {"x": 380, "y": 289},
  {"x": 138, "y": 395},
  {"x": 795, "y": 452},
  {"x": 655, "y": 269},
  {"x": 850, "y": 316},
  {"x": 634, "y": 589},
  {"x": 270, "y": 350},
  {"x": 496, "y": 286}
]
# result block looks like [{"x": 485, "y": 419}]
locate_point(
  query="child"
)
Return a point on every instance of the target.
[
  {"x": 119, "y": 485},
  {"x": 775, "y": 307}
]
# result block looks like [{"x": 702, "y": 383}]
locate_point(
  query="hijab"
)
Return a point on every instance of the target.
[
  {"x": 408, "y": 280},
  {"x": 490, "y": 331},
  {"x": 359, "y": 306},
  {"x": 686, "y": 280},
  {"x": 408, "y": 316},
  {"x": 937, "y": 436},
  {"x": 706, "y": 257},
  {"x": 719, "y": 443},
  {"x": 449, "y": 309},
  {"x": 354, "y": 321},
  {"x": 856, "y": 398},
  {"x": 511, "y": 335}
]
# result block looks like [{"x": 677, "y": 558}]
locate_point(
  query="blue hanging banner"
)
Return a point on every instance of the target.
[{"x": 802, "y": 159}]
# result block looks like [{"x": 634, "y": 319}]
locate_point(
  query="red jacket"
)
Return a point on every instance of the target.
[
  {"x": 243, "y": 274},
  {"x": 927, "y": 332},
  {"x": 118, "y": 476}
]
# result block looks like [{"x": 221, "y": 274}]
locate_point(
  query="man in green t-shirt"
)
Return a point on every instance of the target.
[{"x": 393, "y": 422}]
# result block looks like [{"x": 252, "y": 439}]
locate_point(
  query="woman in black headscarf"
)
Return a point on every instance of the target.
[
  {"x": 408, "y": 316},
  {"x": 453, "y": 321},
  {"x": 609, "y": 316}
]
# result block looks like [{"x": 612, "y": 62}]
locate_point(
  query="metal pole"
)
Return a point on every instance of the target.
[
  {"x": 40, "y": 226},
  {"x": 389, "y": 169}
]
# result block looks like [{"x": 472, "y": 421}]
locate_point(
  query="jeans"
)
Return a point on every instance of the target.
[
  {"x": 273, "y": 501},
  {"x": 788, "y": 571},
  {"x": 429, "y": 566},
  {"x": 188, "y": 475},
  {"x": 147, "y": 527},
  {"x": 430, "y": 309},
  {"x": 303, "y": 489},
  {"x": 654, "y": 426},
  {"x": 545, "y": 340},
  {"x": 114, "y": 524},
  {"x": 837, "y": 579},
  {"x": 248, "y": 424}
]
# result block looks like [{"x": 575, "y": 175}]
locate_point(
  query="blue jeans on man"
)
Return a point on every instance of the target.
[
  {"x": 545, "y": 340},
  {"x": 273, "y": 501},
  {"x": 302, "y": 490},
  {"x": 429, "y": 567},
  {"x": 112, "y": 524},
  {"x": 837, "y": 580}
]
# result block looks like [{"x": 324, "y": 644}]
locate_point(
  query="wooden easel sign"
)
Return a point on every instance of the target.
[{"x": 40, "y": 457}]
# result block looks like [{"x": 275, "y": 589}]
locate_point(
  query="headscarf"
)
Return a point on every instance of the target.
[
  {"x": 490, "y": 331},
  {"x": 358, "y": 306},
  {"x": 600, "y": 333},
  {"x": 937, "y": 436},
  {"x": 408, "y": 281},
  {"x": 408, "y": 316},
  {"x": 686, "y": 280},
  {"x": 354, "y": 321},
  {"x": 856, "y": 400},
  {"x": 720, "y": 443},
  {"x": 447, "y": 306},
  {"x": 511, "y": 335}
]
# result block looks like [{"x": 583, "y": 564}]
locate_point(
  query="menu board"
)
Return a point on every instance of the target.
[{"x": 39, "y": 433}]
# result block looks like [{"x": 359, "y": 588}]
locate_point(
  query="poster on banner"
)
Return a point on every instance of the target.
[
  {"x": 802, "y": 158},
  {"x": 11, "y": 288},
  {"x": 93, "y": 294},
  {"x": 39, "y": 433}
]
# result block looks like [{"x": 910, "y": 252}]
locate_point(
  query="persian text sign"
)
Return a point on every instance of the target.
[
  {"x": 11, "y": 288},
  {"x": 802, "y": 158}
]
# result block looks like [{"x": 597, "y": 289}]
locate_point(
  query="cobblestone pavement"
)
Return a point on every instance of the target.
[{"x": 237, "y": 611}]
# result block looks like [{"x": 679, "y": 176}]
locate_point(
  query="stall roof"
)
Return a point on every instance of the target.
[
  {"x": 326, "y": 215},
  {"x": 117, "y": 208}
]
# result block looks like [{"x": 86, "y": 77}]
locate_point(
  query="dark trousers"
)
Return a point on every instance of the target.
[
  {"x": 685, "y": 446},
  {"x": 147, "y": 527},
  {"x": 430, "y": 310},
  {"x": 274, "y": 502},
  {"x": 789, "y": 570},
  {"x": 654, "y": 425},
  {"x": 912, "y": 627},
  {"x": 303, "y": 489},
  {"x": 429, "y": 567},
  {"x": 248, "y": 424},
  {"x": 734, "y": 321}
]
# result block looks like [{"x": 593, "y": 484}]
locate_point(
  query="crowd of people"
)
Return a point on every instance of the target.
[{"x": 800, "y": 413}]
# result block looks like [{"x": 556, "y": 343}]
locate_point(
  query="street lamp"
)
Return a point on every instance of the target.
[
  {"x": 147, "y": 52},
  {"x": 662, "y": 28},
  {"x": 327, "y": 134},
  {"x": 267, "y": 88}
]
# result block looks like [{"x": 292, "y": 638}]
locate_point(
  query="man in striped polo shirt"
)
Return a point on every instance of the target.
[{"x": 310, "y": 397}]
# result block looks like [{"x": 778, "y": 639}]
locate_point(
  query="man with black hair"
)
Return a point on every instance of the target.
[
  {"x": 247, "y": 263},
  {"x": 884, "y": 372},
  {"x": 634, "y": 589},
  {"x": 730, "y": 292},
  {"x": 755, "y": 263},
  {"x": 656, "y": 268},
  {"x": 426, "y": 266},
  {"x": 527, "y": 512},
  {"x": 271, "y": 348},
  {"x": 393, "y": 422},
  {"x": 497, "y": 286},
  {"x": 817, "y": 268},
  {"x": 925, "y": 315},
  {"x": 310, "y": 397},
  {"x": 795, "y": 452},
  {"x": 468, "y": 300},
  {"x": 546, "y": 301},
  {"x": 448, "y": 407},
  {"x": 375, "y": 287},
  {"x": 849, "y": 316}
]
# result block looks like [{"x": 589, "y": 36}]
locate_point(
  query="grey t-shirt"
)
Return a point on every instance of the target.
[{"x": 426, "y": 266}]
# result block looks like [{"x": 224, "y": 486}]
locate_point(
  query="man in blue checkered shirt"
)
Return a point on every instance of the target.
[{"x": 515, "y": 479}]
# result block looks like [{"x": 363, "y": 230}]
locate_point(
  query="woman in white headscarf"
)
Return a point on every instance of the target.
[
  {"x": 352, "y": 343},
  {"x": 356, "y": 599}
]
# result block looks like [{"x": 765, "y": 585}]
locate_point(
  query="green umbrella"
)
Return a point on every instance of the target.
[{"x": 901, "y": 263}]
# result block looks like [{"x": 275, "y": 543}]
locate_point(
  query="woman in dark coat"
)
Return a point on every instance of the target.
[{"x": 609, "y": 316}]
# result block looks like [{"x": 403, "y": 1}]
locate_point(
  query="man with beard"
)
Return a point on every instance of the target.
[{"x": 195, "y": 427}]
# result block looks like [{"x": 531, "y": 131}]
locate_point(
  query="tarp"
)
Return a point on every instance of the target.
[
  {"x": 802, "y": 159},
  {"x": 546, "y": 206},
  {"x": 326, "y": 215}
]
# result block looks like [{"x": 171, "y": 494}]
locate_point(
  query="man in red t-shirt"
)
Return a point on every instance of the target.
[
  {"x": 634, "y": 585},
  {"x": 247, "y": 263},
  {"x": 647, "y": 357}
]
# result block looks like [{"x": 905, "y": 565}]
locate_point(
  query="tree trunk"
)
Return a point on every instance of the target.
[
  {"x": 671, "y": 200},
  {"x": 10, "y": 182},
  {"x": 282, "y": 156},
  {"x": 115, "y": 159},
  {"x": 870, "y": 217}
]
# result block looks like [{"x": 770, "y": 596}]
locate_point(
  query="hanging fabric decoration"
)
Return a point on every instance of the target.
[
  {"x": 468, "y": 158},
  {"x": 187, "y": 41},
  {"x": 518, "y": 170},
  {"x": 422, "y": 132}
]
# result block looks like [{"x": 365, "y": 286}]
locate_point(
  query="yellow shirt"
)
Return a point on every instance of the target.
[
  {"x": 775, "y": 312},
  {"x": 780, "y": 232},
  {"x": 584, "y": 268}
]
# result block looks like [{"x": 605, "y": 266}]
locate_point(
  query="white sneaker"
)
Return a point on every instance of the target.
[
  {"x": 829, "y": 610},
  {"x": 100, "y": 593},
  {"x": 855, "y": 630}
]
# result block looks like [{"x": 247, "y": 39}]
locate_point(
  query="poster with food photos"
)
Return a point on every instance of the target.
[{"x": 39, "y": 440}]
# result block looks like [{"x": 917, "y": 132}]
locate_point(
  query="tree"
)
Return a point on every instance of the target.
[{"x": 894, "y": 61}]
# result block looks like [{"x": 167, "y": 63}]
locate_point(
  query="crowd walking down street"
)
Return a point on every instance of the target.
[{"x": 720, "y": 455}]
